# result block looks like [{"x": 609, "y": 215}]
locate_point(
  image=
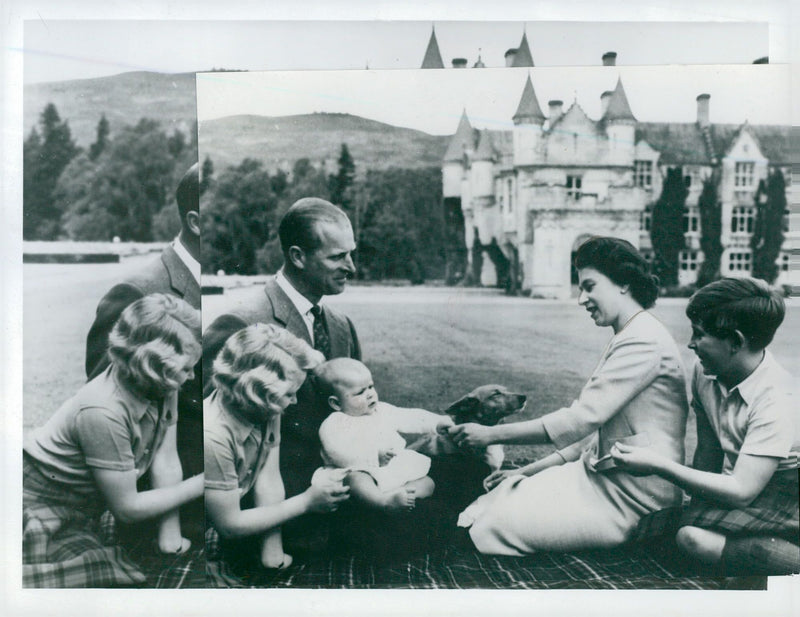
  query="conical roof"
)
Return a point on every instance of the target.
[
  {"x": 523, "y": 56},
  {"x": 618, "y": 107},
  {"x": 463, "y": 139},
  {"x": 529, "y": 109},
  {"x": 485, "y": 150},
  {"x": 432, "y": 59}
]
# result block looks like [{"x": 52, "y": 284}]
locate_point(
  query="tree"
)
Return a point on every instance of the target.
[
  {"x": 206, "y": 174},
  {"x": 45, "y": 156},
  {"x": 710, "y": 230},
  {"x": 666, "y": 232},
  {"x": 100, "y": 143},
  {"x": 340, "y": 183},
  {"x": 120, "y": 192},
  {"x": 768, "y": 229}
]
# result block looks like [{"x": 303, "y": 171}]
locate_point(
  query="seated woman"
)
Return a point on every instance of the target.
[
  {"x": 637, "y": 394},
  {"x": 744, "y": 509},
  {"x": 91, "y": 452},
  {"x": 256, "y": 377}
]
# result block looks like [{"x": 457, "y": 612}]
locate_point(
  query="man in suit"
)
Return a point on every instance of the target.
[
  {"x": 317, "y": 244},
  {"x": 175, "y": 271}
]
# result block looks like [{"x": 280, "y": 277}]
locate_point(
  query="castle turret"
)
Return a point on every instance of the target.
[
  {"x": 620, "y": 125},
  {"x": 528, "y": 123},
  {"x": 462, "y": 143},
  {"x": 432, "y": 59},
  {"x": 482, "y": 166},
  {"x": 523, "y": 57}
]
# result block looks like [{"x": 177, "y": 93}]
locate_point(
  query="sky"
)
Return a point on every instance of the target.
[
  {"x": 56, "y": 50},
  {"x": 432, "y": 101}
]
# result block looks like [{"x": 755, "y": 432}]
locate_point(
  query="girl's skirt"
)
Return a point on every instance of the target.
[
  {"x": 61, "y": 540},
  {"x": 774, "y": 512}
]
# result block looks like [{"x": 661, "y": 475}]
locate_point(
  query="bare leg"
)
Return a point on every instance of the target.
[
  {"x": 364, "y": 488},
  {"x": 705, "y": 545},
  {"x": 268, "y": 491},
  {"x": 423, "y": 487},
  {"x": 166, "y": 471}
]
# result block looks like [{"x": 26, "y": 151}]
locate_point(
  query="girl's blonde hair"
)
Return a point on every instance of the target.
[
  {"x": 152, "y": 340},
  {"x": 256, "y": 362}
]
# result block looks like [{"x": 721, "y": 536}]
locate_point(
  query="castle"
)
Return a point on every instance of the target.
[{"x": 531, "y": 195}]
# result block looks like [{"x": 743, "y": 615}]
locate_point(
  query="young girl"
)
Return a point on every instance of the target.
[
  {"x": 743, "y": 482},
  {"x": 256, "y": 375},
  {"x": 90, "y": 454}
]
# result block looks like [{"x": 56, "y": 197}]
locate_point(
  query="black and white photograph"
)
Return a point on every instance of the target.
[{"x": 301, "y": 305}]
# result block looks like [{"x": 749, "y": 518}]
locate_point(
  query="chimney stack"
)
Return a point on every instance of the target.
[
  {"x": 703, "y": 110},
  {"x": 610, "y": 58},
  {"x": 510, "y": 55},
  {"x": 604, "y": 98},
  {"x": 459, "y": 63},
  {"x": 555, "y": 110}
]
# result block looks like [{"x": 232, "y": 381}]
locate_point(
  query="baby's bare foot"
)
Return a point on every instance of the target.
[
  {"x": 403, "y": 499},
  {"x": 174, "y": 546}
]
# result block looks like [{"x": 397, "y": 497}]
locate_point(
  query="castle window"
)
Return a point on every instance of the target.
[
  {"x": 739, "y": 262},
  {"x": 691, "y": 220},
  {"x": 689, "y": 260},
  {"x": 646, "y": 219},
  {"x": 783, "y": 262},
  {"x": 574, "y": 187},
  {"x": 643, "y": 174},
  {"x": 742, "y": 219},
  {"x": 744, "y": 175},
  {"x": 510, "y": 187}
]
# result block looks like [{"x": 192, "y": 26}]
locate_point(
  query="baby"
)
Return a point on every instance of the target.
[{"x": 365, "y": 436}]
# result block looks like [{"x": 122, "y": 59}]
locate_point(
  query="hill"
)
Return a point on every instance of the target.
[
  {"x": 279, "y": 141},
  {"x": 124, "y": 99}
]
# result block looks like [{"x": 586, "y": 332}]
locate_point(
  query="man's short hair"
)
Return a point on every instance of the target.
[
  {"x": 188, "y": 192},
  {"x": 298, "y": 226},
  {"x": 744, "y": 304}
]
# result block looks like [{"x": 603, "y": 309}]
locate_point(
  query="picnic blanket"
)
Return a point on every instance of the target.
[{"x": 639, "y": 565}]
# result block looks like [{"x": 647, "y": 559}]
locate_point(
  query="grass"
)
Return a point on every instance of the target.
[{"x": 426, "y": 346}]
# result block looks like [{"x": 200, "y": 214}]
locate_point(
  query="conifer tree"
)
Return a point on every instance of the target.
[
  {"x": 767, "y": 237},
  {"x": 100, "y": 143},
  {"x": 666, "y": 232},
  {"x": 710, "y": 230},
  {"x": 343, "y": 180}
]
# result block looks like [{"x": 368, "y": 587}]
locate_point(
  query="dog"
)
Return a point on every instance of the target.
[{"x": 486, "y": 405}]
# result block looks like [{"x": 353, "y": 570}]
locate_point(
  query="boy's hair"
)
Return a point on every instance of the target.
[
  {"x": 744, "y": 304},
  {"x": 256, "y": 361},
  {"x": 151, "y": 341},
  {"x": 329, "y": 376}
]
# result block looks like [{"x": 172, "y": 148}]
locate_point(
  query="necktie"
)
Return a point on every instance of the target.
[{"x": 322, "y": 342}]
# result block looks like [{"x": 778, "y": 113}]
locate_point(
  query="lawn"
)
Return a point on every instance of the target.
[{"x": 426, "y": 346}]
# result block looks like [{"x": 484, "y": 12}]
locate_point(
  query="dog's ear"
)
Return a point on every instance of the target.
[{"x": 463, "y": 408}]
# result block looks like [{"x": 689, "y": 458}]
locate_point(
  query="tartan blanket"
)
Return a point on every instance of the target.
[{"x": 639, "y": 565}]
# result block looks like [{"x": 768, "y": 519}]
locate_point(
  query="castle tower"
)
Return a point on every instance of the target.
[
  {"x": 432, "y": 59},
  {"x": 528, "y": 123},
  {"x": 523, "y": 56},
  {"x": 461, "y": 144},
  {"x": 620, "y": 126}
]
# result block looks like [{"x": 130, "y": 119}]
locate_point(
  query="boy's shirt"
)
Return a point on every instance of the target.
[{"x": 757, "y": 416}]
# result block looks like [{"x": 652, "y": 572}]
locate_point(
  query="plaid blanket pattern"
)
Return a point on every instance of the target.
[
  {"x": 636, "y": 566},
  {"x": 774, "y": 511}
]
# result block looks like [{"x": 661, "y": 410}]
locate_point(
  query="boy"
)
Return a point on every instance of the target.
[
  {"x": 744, "y": 483},
  {"x": 364, "y": 435}
]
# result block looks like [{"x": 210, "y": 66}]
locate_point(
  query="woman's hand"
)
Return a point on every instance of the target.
[
  {"x": 470, "y": 435},
  {"x": 637, "y": 460},
  {"x": 326, "y": 495}
]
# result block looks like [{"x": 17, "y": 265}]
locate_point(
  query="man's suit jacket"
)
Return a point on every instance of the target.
[
  {"x": 300, "y": 446},
  {"x": 165, "y": 274}
]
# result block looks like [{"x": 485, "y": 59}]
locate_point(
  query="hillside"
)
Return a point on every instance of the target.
[
  {"x": 124, "y": 99},
  {"x": 279, "y": 141}
]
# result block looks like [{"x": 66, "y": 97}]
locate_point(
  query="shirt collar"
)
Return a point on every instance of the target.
[
  {"x": 750, "y": 386},
  {"x": 240, "y": 427},
  {"x": 301, "y": 303},
  {"x": 137, "y": 405},
  {"x": 186, "y": 257}
]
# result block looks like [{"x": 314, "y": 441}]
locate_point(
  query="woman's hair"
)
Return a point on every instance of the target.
[
  {"x": 151, "y": 341},
  {"x": 622, "y": 263},
  {"x": 747, "y": 305},
  {"x": 252, "y": 368}
]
